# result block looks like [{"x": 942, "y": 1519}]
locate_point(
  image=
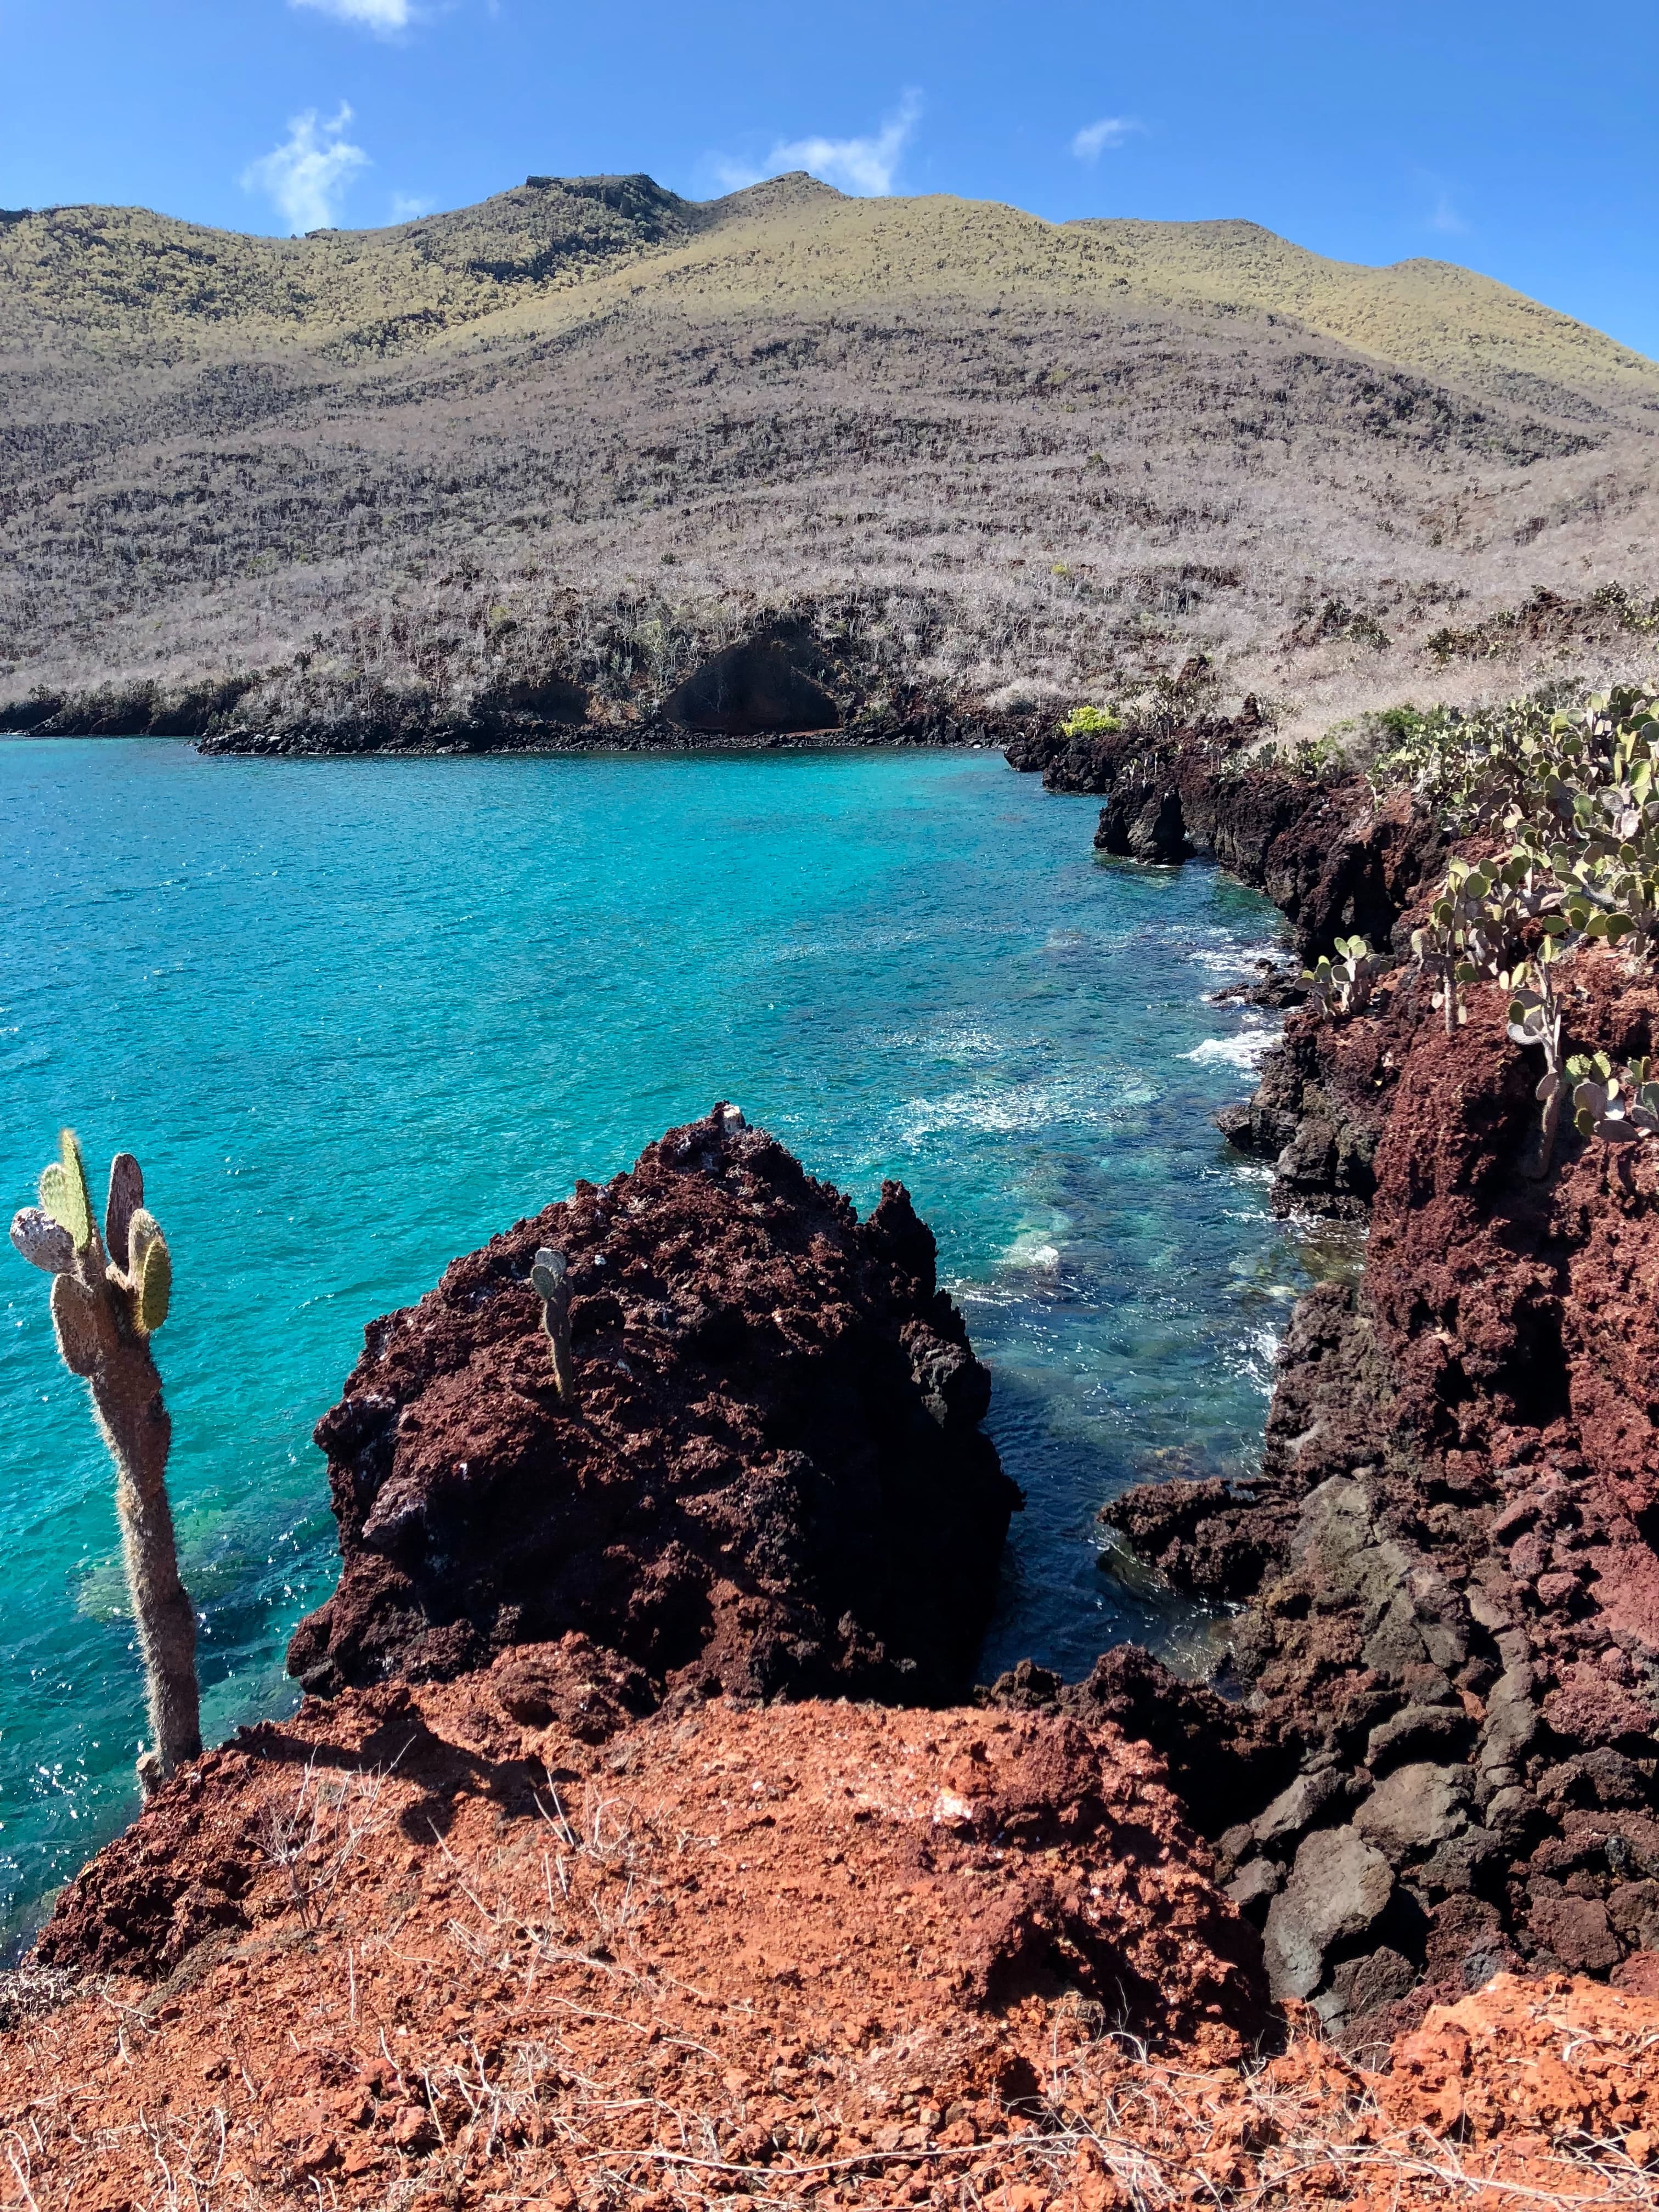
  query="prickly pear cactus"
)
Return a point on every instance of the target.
[
  {"x": 1614, "y": 1102},
  {"x": 109, "y": 1295}
]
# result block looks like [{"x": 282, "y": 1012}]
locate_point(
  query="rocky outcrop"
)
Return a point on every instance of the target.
[
  {"x": 1442, "y": 1760},
  {"x": 770, "y": 1479},
  {"x": 1326, "y": 854},
  {"x": 1449, "y": 1557},
  {"x": 382, "y": 726}
]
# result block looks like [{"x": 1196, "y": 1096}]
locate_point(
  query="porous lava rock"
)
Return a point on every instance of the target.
[
  {"x": 1326, "y": 853},
  {"x": 1448, "y": 1560},
  {"x": 770, "y": 1479}
]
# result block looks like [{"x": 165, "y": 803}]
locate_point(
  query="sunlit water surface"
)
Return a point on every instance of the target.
[{"x": 355, "y": 1017}]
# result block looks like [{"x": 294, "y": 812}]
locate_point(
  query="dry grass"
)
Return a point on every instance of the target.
[
  {"x": 443, "y": 2004},
  {"x": 992, "y": 461}
]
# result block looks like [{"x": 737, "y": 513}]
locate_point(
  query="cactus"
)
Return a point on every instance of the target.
[
  {"x": 1464, "y": 937},
  {"x": 1534, "y": 1017},
  {"x": 1343, "y": 985},
  {"x": 109, "y": 1295},
  {"x": 1615, "y": 1102},
  {"x": 1578, "y": 791},
  {"x": 550, "y": 1279}
]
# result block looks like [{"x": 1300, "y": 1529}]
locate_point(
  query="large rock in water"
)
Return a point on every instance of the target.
[{"x": 771, "y": 1479}]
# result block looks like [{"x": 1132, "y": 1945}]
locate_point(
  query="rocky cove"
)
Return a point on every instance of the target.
[{"x": 648, "y": 1723}]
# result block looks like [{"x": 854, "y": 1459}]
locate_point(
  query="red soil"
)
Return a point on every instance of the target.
[{"x": 827, "y": 1952}]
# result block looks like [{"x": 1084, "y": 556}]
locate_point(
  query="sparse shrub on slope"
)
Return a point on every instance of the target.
[{"x": 1089, "y": 722}]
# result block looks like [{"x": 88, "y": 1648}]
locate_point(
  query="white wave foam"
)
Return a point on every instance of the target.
[
  {"x": 1031, "y": 1249},
  {"x": 1243, "y": 1051},
  {"x": 1231, "y": 959},
  {"x": 1022, "y": 1109}
]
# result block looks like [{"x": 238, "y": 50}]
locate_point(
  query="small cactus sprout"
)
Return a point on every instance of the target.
[
  {"x": 1534, "y": 1017},
  {"x": 104, "y": 1316},
  {"x": 550, "y": 1279}
]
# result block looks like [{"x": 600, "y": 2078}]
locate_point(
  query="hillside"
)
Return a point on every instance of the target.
[{"x": 537, "y": 458}]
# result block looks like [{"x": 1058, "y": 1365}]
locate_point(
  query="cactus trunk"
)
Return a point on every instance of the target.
[{"x": 127, "y": 1395}]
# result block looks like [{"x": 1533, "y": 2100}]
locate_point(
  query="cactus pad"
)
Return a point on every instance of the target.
[
  {"x": 152, "y": 1287},
  {"x": 75, "y": 1320},
  {"x": 44, "y": 1243},
  {"x": 548, "y": 1270},
  {"x": 63, "y": 1192},
  {"x": 126, "y": 1195}
]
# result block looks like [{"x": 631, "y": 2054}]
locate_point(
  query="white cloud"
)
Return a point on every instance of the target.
[
  {"x": 1446, "y": 218},
  {"x": 307, "y": 176},
  {"x": 1092, "y": 141},
  {"x": 405, "y": 206},
  {"x": 384, "y": 16},
  {"x": 865, "y": 167}
]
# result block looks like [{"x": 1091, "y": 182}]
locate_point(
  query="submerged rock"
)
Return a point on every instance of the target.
[{"x": 770, "y": 1479}]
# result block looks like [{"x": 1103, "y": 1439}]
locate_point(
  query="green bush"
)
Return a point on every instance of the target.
[{"x": 1089, "y": 722}]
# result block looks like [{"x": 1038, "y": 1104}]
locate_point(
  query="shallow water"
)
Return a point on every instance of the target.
[{"x": 355, "y": 1016}]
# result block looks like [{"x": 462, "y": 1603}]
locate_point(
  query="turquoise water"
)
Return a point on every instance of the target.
[{"x": 355, "y": 1016}]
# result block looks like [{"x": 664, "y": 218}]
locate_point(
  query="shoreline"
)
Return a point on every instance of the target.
[
  {"x": 864, "y": 1940},
  {"x": 1447, "y": 1631}
]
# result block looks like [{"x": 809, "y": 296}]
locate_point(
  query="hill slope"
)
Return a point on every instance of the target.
[{"x": 564, "y": 444}]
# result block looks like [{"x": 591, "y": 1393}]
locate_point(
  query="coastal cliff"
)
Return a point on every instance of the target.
[{"x": 1448, "y": 1640}]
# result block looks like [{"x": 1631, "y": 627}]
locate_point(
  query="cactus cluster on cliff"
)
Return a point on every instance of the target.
[
  {"x": 109, "y": 1295},
  {"x": 1575, "y": 793},
  {"x": 1342, "y": 984}
]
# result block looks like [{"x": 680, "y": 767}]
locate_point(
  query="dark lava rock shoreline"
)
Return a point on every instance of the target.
[
  {"x": 771, "y": 1479},
  {"x": 1441, "y": 1740}
]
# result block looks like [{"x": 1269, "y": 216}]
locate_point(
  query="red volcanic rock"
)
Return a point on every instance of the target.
[
  {"x": 1328, "y": 855},
  {"x": 770, "y": 1479},
  {"x": 1451, "y": 1543}
]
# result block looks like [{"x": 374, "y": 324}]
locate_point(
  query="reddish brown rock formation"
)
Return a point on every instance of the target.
[
  {"x": 1450, "y": 1552},
  {"x": 825, "y": 1952},
  {"x": 771, "y": 1478},
  {"x": 1329, "y": 856}
]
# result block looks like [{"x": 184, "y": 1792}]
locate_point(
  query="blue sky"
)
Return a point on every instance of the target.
[{"x": 1518, "y": 139}]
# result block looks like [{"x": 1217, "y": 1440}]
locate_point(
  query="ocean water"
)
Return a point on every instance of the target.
[{"x": 355, "y": 1016}]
